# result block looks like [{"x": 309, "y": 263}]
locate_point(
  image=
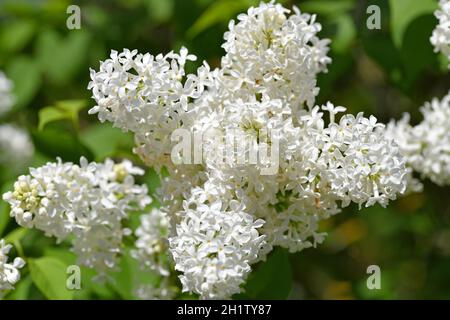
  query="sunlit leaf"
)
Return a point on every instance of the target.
[
  {"x": 49, "y": 275},
  {"x": 219, "y": 11},
  {"x": 63, "y": 110},
  {"x": 16, "y": 235},
  {"x": 21, "y": 289},
  {"x": 105, "y": 141},
  {"x": 403, "y": 12},
  {"x": 26, "y": 76},
  {"x": 16, "y": 35},
  {"x": 346, "y": 33},
  {"x": 160, "y": 10},
  {"x": 327, "y": 7},
  {"x": 4, "y": 208},
  {"x": 61, "y": 58}
]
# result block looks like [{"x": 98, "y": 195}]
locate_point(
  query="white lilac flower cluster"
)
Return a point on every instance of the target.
[
  {"x": 426, "y": 146},
  {"x": 6, "y": 97},
  {"x": 164, "y": 290},
  {"x": 87, "y": 201},
  {"x": 151, "y": 250},
  {"x": 16, "y": 147},
  {"x": 225, "y": 216},
  {"x": 441, "y": 34},
  {"x": 9, "y": 272},
  {"x": 152, "y": 242},
  {"x": 215, "y": 244}
]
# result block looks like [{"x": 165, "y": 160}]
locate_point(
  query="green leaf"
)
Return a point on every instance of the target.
[
  {"x": 16, "y": 35},
  {"x": 417, "y": 52},
  {"x": 88, "y": 286},
  {"x": 4, "y": 208},
  {"x": 63, "y": 110},
  {"x": 219, "y": 11},
  {"x": 131, "y": 276},
  {"x": 72, "y": 107},
  {"x": 16, "y": 235},
  {"x": 272, "y": 279},
  {"x": 4, "y": 216},
  {"x": 327, "y": 7},
  {"x": 50, "y": 114},
  {"x": 160, "y": 11},
  {"x": 346, "y": 33},
  {"x": 49, "y": 276},
  {"x": 61, "y": 58},
  {"x": 382, "y": 50},
  {"x": 105, "y": 141},
  {"x": 26, "y": 76},
  {"x": 403, "y": 12},
  {"x": 21, "y": 289}
]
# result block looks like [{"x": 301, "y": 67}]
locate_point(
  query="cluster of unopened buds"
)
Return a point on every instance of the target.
[{"x": 218, "y": 218}]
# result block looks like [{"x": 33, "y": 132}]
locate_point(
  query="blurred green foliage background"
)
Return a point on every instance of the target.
[{"x": 382, "y": 72}]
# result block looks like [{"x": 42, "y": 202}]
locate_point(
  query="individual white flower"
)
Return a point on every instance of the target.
[
  {"x": 89, "y": 200},
  {"x": 9, "y": 272},
  {"x": 6, "y": 97},
  {"x": 16, "y": 147},
  {"x": 214, "y": 246},
  {"x": 441, "y": 34},
  {"x": 152, "y": 243}
]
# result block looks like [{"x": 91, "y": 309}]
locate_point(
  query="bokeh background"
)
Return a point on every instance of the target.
[{"x": 382, "y": 72}]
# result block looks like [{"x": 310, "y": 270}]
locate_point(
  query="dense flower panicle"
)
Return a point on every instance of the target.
[
  {"x": 441, "y": 34},
  {"x": 147, "y": 95},
  {"x": 152, "y": 242},
  {"x": 225, "y": 213},
  {"x": 89, "y": 200},
  {"x": 9, "y": 272},
  {"x": 213, "y": 247},
  {"x": 327, "y": 167},
  {"x": 426, "y": 146},
  {"x": 16, "y": 147},
  {"x": 6, "y": 97},
  {"x": 271, "y": 52},
  {"x": 353, "y": 159}
]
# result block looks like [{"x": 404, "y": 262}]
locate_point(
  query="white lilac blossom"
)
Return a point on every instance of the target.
[
  {"x": 88, "y": 201},
  {"x": 6, "y": 97},
  {"x": 426, "y": 146},
  {"x": 213, "y": 247},
  {"x": 152, "y": 242},
  {"x": 269, "y": 51},
  {"x": 325, "y": 168},
  {"x": 9, "y": 272},
  {"x": 224, "y": 216},
  {"x": 147, "y": 95},
  {"x": 16, "y": 147},
  {"x": 440, "y": 38}
]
